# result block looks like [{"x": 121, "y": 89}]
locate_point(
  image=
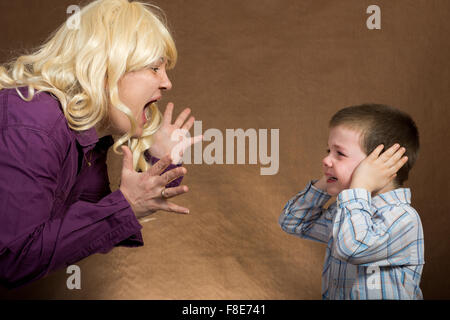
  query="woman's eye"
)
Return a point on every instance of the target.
[{"x": 155, "y": 69}]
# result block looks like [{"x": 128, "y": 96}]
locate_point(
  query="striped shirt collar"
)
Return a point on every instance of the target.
[{"x": 393, "y": 197}]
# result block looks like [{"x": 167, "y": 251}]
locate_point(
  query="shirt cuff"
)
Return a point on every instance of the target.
[
  {"x": 119, "y": 229},
  {"x": 128, "y": 234},
  {"x": 350, "y": 196},
  {"x": 312, "y": 186},
  {"x": 313, "y": 194},
  {"x": 135, "y": 240}
]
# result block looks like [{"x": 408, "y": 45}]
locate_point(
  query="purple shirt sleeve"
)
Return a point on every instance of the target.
[{"x": 41, "y": 228}]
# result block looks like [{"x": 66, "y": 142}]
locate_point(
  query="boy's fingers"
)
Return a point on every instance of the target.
[
  {"x": 376, "y": 152},
  {"x": 389, "y": 152},
  {"x": 400, "y": 163},
  {"x": 160, "y": 166},
  {"x": 395, "y": 157}
]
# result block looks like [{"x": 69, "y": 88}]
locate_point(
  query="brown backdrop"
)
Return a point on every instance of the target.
[{"x": 286, "y": 64}]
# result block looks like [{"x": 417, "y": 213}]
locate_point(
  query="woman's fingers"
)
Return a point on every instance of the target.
[
  {"x": 172, "y": 207},
  {"x": 196, "y": 139},
  {"x": 167, "y": 118},
  {"x": 186, "y": 143},
  {"x": 188, "y": 125},
  {"x": 160, "y": 166},
  {"x": 175, "y": 191},
  {"x": 173, "y": 174},
  {"x": 182, "y": 117},
  {"x": 127, "y": 162}
]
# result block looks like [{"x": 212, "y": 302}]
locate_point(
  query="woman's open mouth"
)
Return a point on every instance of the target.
[{"x": 147, "y": 113}]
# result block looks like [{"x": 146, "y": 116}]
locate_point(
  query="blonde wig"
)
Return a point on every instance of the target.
[{"x": 82, "y": 66}]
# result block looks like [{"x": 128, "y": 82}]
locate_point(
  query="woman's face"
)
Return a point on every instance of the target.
[{"x": 137, "y": 90}]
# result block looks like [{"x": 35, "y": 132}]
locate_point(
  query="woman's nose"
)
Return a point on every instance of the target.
[{"x": 165, "y": 82}]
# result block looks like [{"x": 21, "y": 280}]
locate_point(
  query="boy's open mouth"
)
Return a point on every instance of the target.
[{"x": 332, "y": 179}]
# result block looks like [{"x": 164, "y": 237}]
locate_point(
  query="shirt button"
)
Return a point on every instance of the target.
[{"x": 335, "y": 282}]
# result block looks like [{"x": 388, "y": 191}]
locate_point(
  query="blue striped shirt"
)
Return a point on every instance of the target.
[{"x": 375, "y": 247}]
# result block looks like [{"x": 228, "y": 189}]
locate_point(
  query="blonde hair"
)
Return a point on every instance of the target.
[{"x": 82, "y": 66}]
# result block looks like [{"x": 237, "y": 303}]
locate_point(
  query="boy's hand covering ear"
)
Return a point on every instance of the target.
[{"x": 376, "y": 171}]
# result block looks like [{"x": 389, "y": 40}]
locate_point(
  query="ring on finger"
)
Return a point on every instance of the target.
[{"x": 163, "y": 193}]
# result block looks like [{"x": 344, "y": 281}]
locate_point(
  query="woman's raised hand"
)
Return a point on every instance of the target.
[
  {"x": 145, "y": 191},
  {"x": 173, "y": 138}
]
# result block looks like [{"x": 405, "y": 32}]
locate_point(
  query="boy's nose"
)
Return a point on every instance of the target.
[{"x": 327, "y": 161}]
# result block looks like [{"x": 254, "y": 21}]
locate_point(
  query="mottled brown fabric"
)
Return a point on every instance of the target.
[{"x": 287, "y": 64}]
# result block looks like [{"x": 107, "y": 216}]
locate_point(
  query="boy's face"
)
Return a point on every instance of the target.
[{"x": 344, "y": 155}]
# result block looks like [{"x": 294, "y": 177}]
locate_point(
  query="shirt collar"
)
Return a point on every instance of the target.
[
  {"x": 87, "y": 137},
  {"x": 394, "y": 197}
]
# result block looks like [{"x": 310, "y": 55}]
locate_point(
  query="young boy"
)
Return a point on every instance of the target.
[{"x": 374, "y": 238}]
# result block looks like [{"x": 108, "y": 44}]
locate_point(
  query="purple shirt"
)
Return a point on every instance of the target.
[{"x": 55, "y": 209}]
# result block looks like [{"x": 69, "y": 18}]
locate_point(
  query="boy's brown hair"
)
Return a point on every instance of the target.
[{"x": 382, "y": 124}]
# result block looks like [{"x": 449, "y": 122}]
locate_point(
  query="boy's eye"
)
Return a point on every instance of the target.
[
  {"x": 341, "y": 154},
  {"x": 328, "y": 150}
]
